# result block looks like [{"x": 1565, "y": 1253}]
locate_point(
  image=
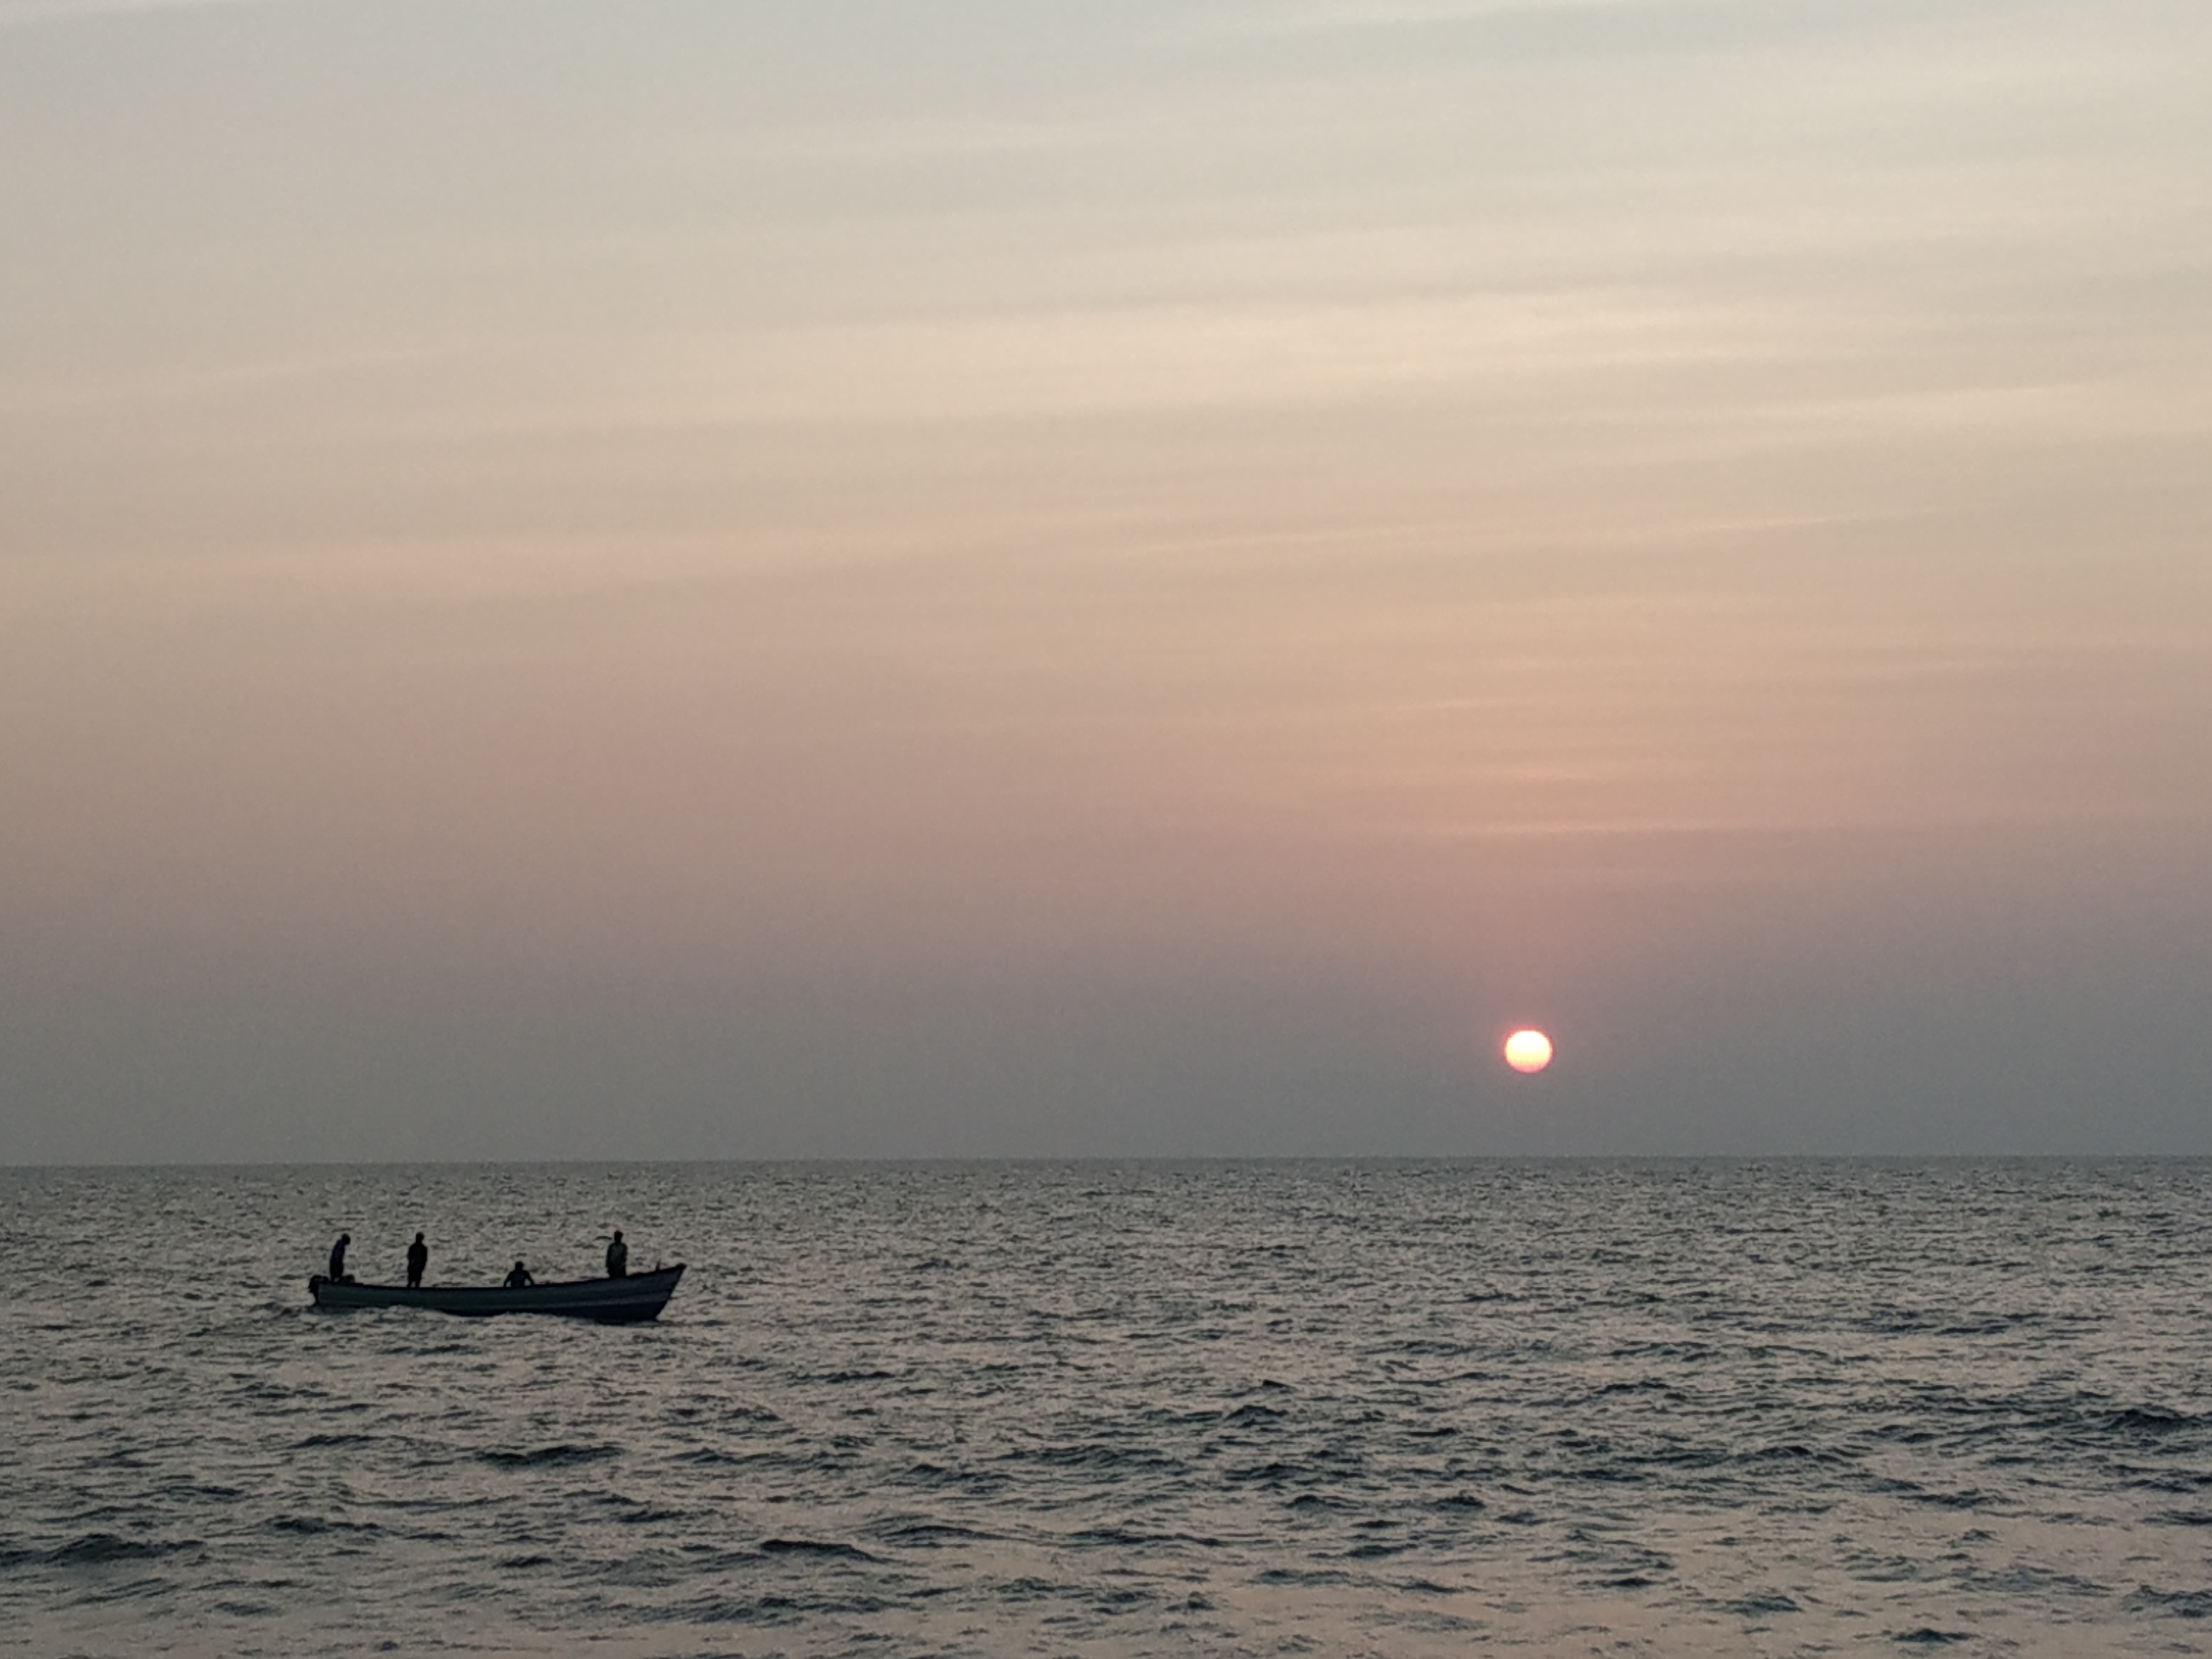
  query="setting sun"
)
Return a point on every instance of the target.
[{"x": 1528, "y": 1051}]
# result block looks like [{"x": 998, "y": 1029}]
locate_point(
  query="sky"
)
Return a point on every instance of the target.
[{"x": 844, "y": 579}]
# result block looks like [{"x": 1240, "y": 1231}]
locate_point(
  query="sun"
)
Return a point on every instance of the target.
[{"x": 1528, "y": 1051}]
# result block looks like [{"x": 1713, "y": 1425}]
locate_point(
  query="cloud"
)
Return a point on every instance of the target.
[{"x": 23, "y": 13}]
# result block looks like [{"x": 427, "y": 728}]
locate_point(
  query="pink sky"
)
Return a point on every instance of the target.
[{"x": 1059, "y": 584}]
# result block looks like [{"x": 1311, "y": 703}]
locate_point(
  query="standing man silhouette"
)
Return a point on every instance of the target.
[
  {"x": 617, "y": 1257},
  {"x": 418, "y": 1257},
  {"x": 338, "y": 1259}
]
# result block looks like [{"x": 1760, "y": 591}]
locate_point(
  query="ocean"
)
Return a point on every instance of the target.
[{"x": 1120, "y": 1409}]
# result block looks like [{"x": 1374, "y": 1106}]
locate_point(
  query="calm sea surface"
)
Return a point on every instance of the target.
[{"x": 1107, "y": 1409}]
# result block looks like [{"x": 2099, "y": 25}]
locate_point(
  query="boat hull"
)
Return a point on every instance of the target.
[{"x": 609, "y": 1301}]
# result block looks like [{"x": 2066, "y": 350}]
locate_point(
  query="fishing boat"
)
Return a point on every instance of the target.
[{"x": 609, "y": 1301}]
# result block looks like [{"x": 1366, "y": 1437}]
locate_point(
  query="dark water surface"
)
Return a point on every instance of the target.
[{"x": 1101, "y": 1409}]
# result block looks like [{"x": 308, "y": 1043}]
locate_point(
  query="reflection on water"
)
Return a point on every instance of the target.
[{"x": 1099, "y": 1409}]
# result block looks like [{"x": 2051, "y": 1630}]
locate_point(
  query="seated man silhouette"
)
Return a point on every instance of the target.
[{"x": 520, "y": 1277}]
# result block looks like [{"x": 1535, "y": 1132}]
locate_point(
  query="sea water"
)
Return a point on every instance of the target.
[{"x": 1109, "y": 1409}]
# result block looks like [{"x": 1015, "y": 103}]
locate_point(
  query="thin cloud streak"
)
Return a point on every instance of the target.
[{"x": 26, "y": 14}]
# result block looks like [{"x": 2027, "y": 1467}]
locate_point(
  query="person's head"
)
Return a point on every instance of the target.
[
  {"x": 617, "y": 1235},
  {"x": 418, "y": 1238},
  {"x": 345, "y": 1238},
  {"x": 518, "y": 1267}
]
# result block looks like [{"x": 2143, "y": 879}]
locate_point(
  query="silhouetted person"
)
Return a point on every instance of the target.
[
  {"x": 418, "y": 1257},
  {"x": 338, "y": 1258},
  {"x": 617, "y": 1257},
  {"x": 520, "y": 1277}
]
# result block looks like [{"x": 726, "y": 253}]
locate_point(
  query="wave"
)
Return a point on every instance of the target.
[
  {"x": 815, "y": 1547},
  {"x": 549, "y": 1457},
  {"x": 101, "y": 1549}
]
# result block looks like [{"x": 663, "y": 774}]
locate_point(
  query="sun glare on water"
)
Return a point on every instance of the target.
[{"x": 1528, "y": 1051}]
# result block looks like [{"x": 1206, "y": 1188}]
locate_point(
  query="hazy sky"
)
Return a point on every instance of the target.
[{"x": 962, "y": 577}]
